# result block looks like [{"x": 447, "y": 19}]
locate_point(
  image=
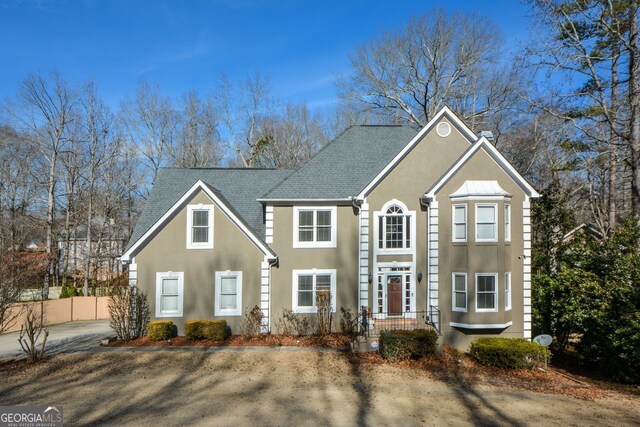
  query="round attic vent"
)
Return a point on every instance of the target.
[{"x": 443, "y": 129}]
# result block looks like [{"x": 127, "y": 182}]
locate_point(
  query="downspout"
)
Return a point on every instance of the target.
[
  {"x": 272, "y": 262},
  {"x": 425, "y": 201}
]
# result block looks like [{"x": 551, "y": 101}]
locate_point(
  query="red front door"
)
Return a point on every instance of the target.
[{"x": 394, "y": 295}]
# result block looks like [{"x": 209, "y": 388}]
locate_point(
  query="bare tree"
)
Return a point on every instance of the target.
[
  {"x": 288, "y": 139},
  {"x": 438, "y": 59},
  {"x": 198, "y": 136},
  {"x": 150, "y": 122},
  {"x": 43, "y": 112},
  {"x": 30, "y": 332}
]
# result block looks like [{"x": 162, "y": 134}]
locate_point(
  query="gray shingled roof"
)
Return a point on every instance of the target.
[
  {"x": 344, "y": 167},
  {"x": 239, "y": 188},
  {"x": 340, "y": 170}
]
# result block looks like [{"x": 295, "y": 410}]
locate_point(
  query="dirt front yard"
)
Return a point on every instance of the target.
[{"x": 284, "y": 388}]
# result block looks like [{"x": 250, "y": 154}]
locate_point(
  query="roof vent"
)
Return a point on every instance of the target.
[
  {"x": 443, "y": 129},
  {"x": 487, "y": 134}
]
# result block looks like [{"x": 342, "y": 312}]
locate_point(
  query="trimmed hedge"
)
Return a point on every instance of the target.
[
  {"x": 160, "y": 330},
  {"x": 214, "y": 330},
  {"x": 511, "y": 353},
  {"x": 402, "y": 345}
]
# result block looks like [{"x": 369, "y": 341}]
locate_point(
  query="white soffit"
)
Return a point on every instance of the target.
[{"x": 480, "y": 188}]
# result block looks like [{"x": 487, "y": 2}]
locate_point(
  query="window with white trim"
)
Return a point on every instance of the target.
[
  {"x": 200, "y": 226},
  {"x": 459, "y": 223},
  {"x": 486, "y": 230},
  {"x": 394, "y": 229},
  {"x": 459, "y": 294},
  {"x": 228, "y": 293},
  {"x": 307, "y": 284},
  {"x": 487, "y": 292},
  {"x": 507, "y": 222},
  {"x": 169, "y": 294},
  {"x": 507, "y": 291},
  {"x": 314, "y": 227}
]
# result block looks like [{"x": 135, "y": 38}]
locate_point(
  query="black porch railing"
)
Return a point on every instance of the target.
[
  {"x": 371, "y": 324},
  {"x": 434, "y": 317}
]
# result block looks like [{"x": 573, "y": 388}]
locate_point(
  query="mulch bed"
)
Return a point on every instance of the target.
[
  {"x": 328, "y": 341},
  {"x": 456, "y": 368}
]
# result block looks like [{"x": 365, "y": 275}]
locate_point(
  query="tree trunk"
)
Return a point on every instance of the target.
[
  {"x": 634, "y": 106},
  {"x": 51, "y": 258},
  {"x": 613, "y": 148}
]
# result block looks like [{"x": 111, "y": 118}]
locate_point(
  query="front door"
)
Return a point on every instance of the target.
[{"x": 394, "y": 295}]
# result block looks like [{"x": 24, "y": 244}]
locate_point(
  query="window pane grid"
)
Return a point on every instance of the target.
[
  {"x": 460, "y": 291},
  {"x": 486, "y": 292},
  {"x": 315, "y": 225},
  {"x": 309, "y": 286},
  {"x": 394, "y": 229},
  {"x": 486, "y": 222}
]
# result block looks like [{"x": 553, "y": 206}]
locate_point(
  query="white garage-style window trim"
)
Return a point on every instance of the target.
[
  {"x": 200, "y": 226},
  {"x": 459, "y": 292},
  {"x": 169, "y": 294},
  {"x": 486, "y": 292},
  {"x": 507, "y": 222},
  {"x": 228, "y": 293},
  {"x": 315, "y": 226},
  {"x": 507, "y": 291},
  {"x": 459, "y": 223},
  {"x": 307, "y": 284},
  {"x": 486, "y": 220}
]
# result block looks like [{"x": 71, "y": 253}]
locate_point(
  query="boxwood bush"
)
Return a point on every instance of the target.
[
  {"x": 159, "y": 330},
  {"x": 214, "y": 330},
  {"x": 402, "y": 345},
  {"x": 512, "y": 353}
]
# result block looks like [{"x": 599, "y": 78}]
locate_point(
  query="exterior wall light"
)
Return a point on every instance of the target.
[
  {"x": 420, "y": 277},
  {"x": 370, "y": 278}
]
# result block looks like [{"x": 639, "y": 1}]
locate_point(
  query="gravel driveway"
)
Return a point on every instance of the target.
[{"x": 282, "y": 388}]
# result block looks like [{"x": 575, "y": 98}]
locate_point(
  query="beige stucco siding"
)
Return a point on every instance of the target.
[
  {"x": 232, "y": 251},
  {"x": 343, "y": 258},
  {"x": 407, "y": 182},
  {"x": 479, "y": 257}
]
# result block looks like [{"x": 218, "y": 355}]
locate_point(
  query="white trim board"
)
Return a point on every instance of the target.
[
  {"x": 481, "y": 326},
  {"x": 435, "y": 120},
  {"x": 497, "y": 157},
  {"x": 199, "y": 185}
]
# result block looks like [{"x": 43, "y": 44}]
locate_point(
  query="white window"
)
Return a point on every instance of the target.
[
  {"x": 486, "y": 230},
  {"x": 314, "y": 227},
  {"x": 200, "y": 227},
  {"x": 169, "y": 294},
  {"x": 459, "y": 221},
  {"x": 486, "y": 292},
  {"x": 228, "y": 293},
  {"x": 507, "y": 292},
  {"x": 306, "y": 286},
  {"x": 459, "y": 294},
  {"x": 507, "y": 223},
  {"x": 394, "y": 229}
]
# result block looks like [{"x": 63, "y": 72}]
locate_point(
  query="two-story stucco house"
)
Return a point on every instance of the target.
[{"x": 404, "y": 223}]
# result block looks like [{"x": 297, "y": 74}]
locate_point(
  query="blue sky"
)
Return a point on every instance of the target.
[{"x": 184, "y": 45}]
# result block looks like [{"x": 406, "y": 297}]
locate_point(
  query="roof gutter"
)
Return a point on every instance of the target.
[
  {"x": 357, "y": 203},
  {"x": 425, "y": 200}
]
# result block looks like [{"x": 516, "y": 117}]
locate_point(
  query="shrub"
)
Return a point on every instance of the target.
[
  {"x": 68, "y": 291},
  {"x": 402, "y": 345},
  {"x": 252, "y": 321},
  {"x": 291, "y": 323},
  {"x": 214, "y": 330},
  {"x": 160, "y": 330},
  {"x": 324, "y": 314},
  {"x": 347, "y": 321},
  {"x": 128, "y": 312},
  {"x": 512, "y": 353}
]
